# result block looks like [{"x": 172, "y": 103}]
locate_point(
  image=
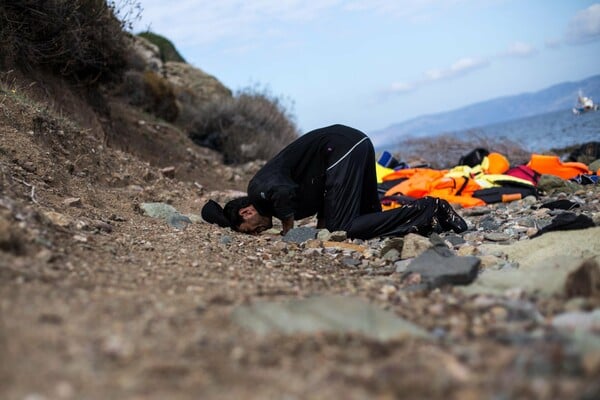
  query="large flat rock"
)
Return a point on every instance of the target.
[
  {"x": 336, "y": 314},
  {"x": 583, "y": 243}
]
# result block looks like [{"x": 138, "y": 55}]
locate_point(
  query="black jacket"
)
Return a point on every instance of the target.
[{"x": 293, "y": 182}]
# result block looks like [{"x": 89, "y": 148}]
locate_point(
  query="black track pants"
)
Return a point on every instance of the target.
[
  {"x": 423, "y": 216},
  {"x": 351, "y": 187}
]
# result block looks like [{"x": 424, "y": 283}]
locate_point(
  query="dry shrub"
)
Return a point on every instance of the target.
[
  {"x": 251, "y": 125},
  {"x": 82, "y": 40},
  {"x": 150, "y": 92},
  {"x": 444, "y": 151}
]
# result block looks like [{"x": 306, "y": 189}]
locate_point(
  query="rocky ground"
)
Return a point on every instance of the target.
[{"x": 102, "y": 298}]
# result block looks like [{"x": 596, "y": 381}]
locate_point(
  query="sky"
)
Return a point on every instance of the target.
[{"x": 373, "y": 63}]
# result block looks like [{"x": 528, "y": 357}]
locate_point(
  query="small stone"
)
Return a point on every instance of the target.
[
  {"x": 299, "y": 235},
  {"x": 102, "y": 226},
  {"x": 168, "y": 172},
  {"x": 488, "y": 261},
  {"x": 387, "y": 291},
  {"x": 195, "y": 218},
  {"x": 437, "y": 269},
  {"x": 29, "y": 166},
  {"x": 467, "y": 250},
  {"x": 179, "y": 221},
  {"x": 415, "y": 245},
  {"x": 313, "y": 244},
  {"x": 392, "y": 243},
  {"x": 350, "y": 262},
  {"x": 324, "y": 235},
  {"x": 391, "y": 255},
  {"x": 529, "y": 201},
  {"x": 531, "y": 232},
  {"x": 473, "y": 237},
  {"x": 72, "y": 202},
  {"x": 499, "y": 313},
  {"x": 455, "y": 240},
  {"x": 338, "y": 236},
  {"x": 402, "y": 265},
  {"x": 345, "y": 246},
  {"x": 496, "y": 236},
  {"x": 117, "y": 218},
  {"x": 57, "y": 219},
  {"x": 489, "y": 223},
  {"x": 225, "y": 240},
  {"x": 587, "y": 321},
  {"x": 80, "y": 238},
  {"x": 158, "y": 210},
  {"x": 82, "y": 225},
  {"x": 228, "y": 174},
  {"x": 312, "y": 252}
]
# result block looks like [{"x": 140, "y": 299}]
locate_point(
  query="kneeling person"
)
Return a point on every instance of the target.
[{"x": 329, "y": 172}]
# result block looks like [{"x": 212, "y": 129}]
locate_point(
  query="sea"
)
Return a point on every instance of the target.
[{"x": 555, "y": 130}]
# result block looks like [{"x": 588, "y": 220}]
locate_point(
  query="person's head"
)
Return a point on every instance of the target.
[{"x": 244, "y": 218}]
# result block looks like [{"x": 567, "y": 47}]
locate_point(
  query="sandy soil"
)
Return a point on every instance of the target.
[{"x": 98, "y": 301}]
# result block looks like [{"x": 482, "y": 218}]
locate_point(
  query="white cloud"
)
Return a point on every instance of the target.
[
  {"x": 190, "y": 22},
  {"x": 519, "y": 49},
  {"x": 461, "y": 67},
  {"x": 584, "y": 27},
  {"x": 401, "y": 87}
]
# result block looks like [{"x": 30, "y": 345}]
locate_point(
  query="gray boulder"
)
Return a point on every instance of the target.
[{"x": 438, "y": 267}]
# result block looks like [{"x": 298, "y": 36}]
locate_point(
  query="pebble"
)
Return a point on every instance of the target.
[
  {"x": 102, "y": 226},
  {"x": 324, "y": 235},
  {"x": 402, "y": 265},
  {"x": 391, "y": 255},
  {"x": 338, "y": 236},
  {"x": 415, "y": 245},
  {"x": 72, "y": 202},
  {"x": 225, "y": 240},
  {"x": 168, "y": 172},
  {"x": 350, "y": 262},
  {"x": 301, "y": 234},
  {"x": 56, "y": 218},
  {"x": 497, "y": 237}
]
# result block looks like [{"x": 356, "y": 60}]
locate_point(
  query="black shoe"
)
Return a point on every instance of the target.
[{"x": 449, "y": 219}]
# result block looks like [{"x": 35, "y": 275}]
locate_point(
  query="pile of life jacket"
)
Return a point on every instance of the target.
[{"x": 480, "y": 178}]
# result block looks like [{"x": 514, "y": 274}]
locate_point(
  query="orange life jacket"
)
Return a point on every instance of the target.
[{"x": 551, "y": 165}]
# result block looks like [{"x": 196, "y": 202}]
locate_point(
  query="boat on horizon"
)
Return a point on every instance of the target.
[{"x": 584, "y": 104}]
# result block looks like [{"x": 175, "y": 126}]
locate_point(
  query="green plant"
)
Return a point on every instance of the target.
[
  {"x": 252, "y": 125},
  {"x": 168, "y": 51}
]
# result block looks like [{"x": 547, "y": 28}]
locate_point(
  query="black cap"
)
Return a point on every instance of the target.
[{"x": 212, "y": 212}]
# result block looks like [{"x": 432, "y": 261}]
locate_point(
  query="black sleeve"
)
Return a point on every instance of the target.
[{"x": 283, "y": 198}]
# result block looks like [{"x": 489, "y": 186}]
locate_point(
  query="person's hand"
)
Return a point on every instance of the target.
[{"x": 287, "y": 225}]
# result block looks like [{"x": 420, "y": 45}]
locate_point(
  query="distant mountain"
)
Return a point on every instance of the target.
[{"x": 558, "y": 97}]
